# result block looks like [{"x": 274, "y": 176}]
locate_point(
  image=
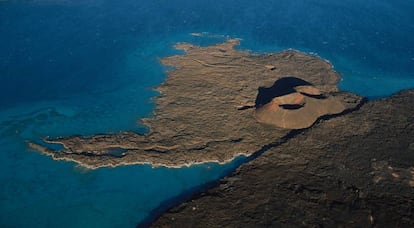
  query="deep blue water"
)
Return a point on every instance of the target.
[{"x": 85, "y": 67}]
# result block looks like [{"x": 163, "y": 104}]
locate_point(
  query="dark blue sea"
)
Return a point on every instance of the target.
[{"x": 89, "y": 66}]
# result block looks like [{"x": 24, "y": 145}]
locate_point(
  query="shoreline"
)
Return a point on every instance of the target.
[{"x": 47, "y": 152}]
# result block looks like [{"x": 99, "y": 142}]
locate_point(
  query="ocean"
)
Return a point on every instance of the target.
[{"x": 87, "y": 67}]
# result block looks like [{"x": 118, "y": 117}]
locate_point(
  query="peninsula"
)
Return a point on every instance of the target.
[{"x": 218, "y": 103}]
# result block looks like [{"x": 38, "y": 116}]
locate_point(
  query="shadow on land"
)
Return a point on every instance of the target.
[{"x": 280, "y": 88}]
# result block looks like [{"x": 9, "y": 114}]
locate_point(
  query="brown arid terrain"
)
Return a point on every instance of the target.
[
  {"x": 315, "y": 156},
  {"x": 218, "y": 103},
  {"x": 356, "y": 170}
]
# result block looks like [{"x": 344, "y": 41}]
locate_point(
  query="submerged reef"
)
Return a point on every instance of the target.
[{"x": 218, "y": 103}]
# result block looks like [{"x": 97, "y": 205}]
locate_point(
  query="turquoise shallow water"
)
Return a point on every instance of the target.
[{"x": 70, "y": 67}]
